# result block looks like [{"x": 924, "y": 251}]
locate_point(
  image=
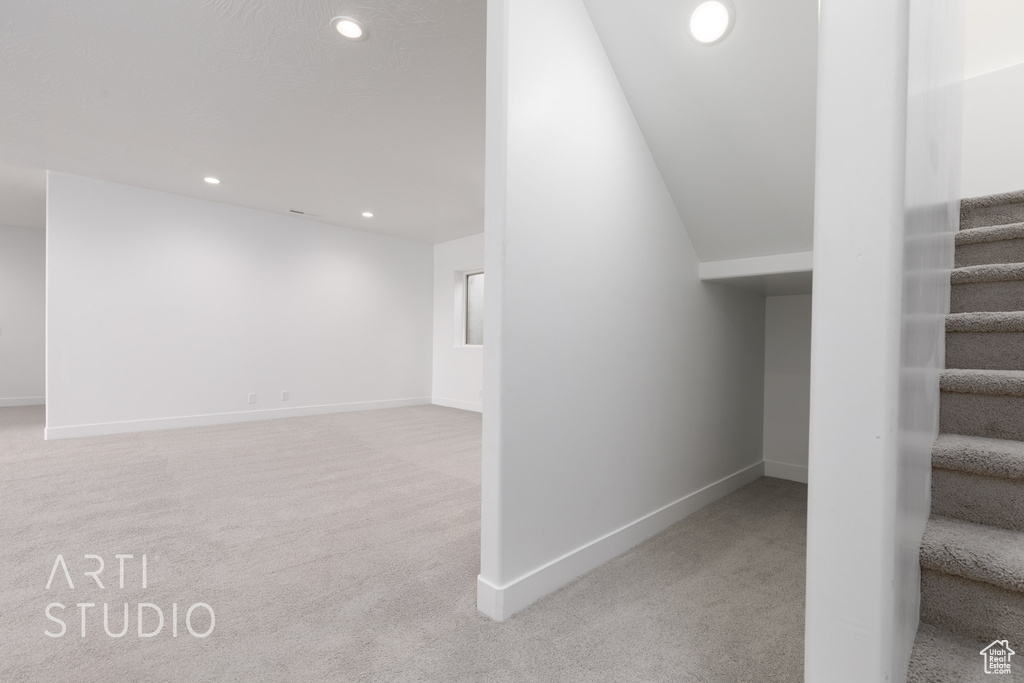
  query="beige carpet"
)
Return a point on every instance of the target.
[{"x": 346, "y": 547}]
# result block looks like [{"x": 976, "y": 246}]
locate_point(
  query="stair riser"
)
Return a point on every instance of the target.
[
  {"x": 997, "y": 417},
  {"x": 985, "y": 350},
  {"x": 1002, "y": 214},
  {"x": 978, "y": 499},
  {"x": 941, "y": 656},
  {"x": 976, "y": 609},
  {"x": 987, "y": 296},
  {"x": 984, "y": 253}
]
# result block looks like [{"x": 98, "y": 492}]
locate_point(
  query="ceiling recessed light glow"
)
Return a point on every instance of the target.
[
  {"x": 212, "y": 181},
  {"x": 350, "y": 28},
  {"x": 711, "y": 21},
  {"x": 367, "y": 214}
]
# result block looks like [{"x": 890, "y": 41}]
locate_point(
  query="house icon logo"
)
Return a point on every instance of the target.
[{"x": 997, "y": 657}]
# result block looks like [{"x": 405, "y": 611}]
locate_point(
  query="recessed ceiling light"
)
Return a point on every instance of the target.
[
  {"x": 350, "y": 28},
  {"x": 711, "y": 21},
  {"x": 212, "y": 181},
  {"x": 367, "y": 214}
]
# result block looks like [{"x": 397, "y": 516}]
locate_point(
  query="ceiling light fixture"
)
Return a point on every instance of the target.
[
  {"x": 350, "y": 28},
  {"x": 711, "y": 21},
  {"x": 367, "y": 214},
  {"x": 212, "y": 181}
]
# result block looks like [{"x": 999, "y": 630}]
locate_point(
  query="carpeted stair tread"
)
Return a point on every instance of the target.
[
  {"x": 989, "y": 272},
  {"x": 991, "y": 233},
  {"x": 976, "y": 246},
  {"x": 970, "y": 203},
  {"x": 993, "y": 501},
  {"x": 973, "y": 608},
  {"x": 979, "y": 455},
  {"x": 974, "y": 551},
  {"x": 986, "y": 321},
  {"x": 996, "y": 209},
  {"x": 944, "y": 656},
  {"x": 985, "y": 340},
  {"x": 990, "y": 382}
]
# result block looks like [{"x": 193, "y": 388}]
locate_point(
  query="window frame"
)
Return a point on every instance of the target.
[{"x": 462, "y": 304}]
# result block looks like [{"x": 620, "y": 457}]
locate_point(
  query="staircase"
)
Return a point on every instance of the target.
[{"x": 972, "y": 554}]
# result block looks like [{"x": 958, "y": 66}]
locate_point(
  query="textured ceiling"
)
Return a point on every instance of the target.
[
  {"x": 263, "y": 94},
  {"x": 732, "y": 125}
]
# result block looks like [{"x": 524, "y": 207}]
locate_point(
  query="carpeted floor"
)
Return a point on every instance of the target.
[{"x": 345, "y": 548}]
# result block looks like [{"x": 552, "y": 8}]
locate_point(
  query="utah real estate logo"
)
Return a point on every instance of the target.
[{"x": 997, "y": 657}]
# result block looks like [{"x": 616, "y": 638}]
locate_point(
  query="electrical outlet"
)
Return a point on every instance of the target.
[
  {"x": 252, "y": 398},
  {"x": 284, "y": 395}
]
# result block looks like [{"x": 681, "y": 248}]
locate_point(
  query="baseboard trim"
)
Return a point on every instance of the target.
[
  {"x": 782, "y": 470},
  {"x": 501, "y": 602},
  {"x": 461, "y": 405},
  {"x": 25, "y": 401},
  {"x": 128, "y": 426}
]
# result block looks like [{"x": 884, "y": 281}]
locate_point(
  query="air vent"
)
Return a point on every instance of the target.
[{"x": 301, "y": 213}]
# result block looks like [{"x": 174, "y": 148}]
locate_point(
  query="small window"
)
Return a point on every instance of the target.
[{"x": 475, "y": 309}]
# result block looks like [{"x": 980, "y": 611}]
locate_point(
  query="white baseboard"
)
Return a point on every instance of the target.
[
  {"x": 782, "y": 470},
  {"x": 26, "y": 401},
  {"x": 501, "y": 602},
  {"x": 222, "y": 418},
  {"x": 461, "y": 405}
]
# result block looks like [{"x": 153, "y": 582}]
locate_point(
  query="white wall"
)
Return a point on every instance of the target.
[
  {"x": 932, "y": 217},
  {"x": 622, "y": 393},
  {"x": 458, "y": 369},
  {"x": 166, "y": 311},
  {"x": 993, "y": 29},
  {"x": 22, "y": 316},
  {"x": 993, "y": 139},
  {"x": 885, "y": 211},
  {"x": 787, "y": 385}
]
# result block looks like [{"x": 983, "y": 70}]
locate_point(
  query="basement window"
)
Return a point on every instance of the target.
[{"x": 474, "y": 309}]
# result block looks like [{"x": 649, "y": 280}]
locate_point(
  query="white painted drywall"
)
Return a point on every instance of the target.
[
  {"x": 993, "y": 138},
  {"x": 166, "y": 310},
  {"x": 778, "y": 275},
  {"x": 993, "y": 30},
  {"x": 731, "y": 125},
  {"x": 622, "y": 393},
  {"x": 22, "y": 316},
  {"x": 458, "y": 369},
  {"x": 787, "y": 385},
  {"x": 932, "y": 217},
  {"x": 885, "y": 211}
]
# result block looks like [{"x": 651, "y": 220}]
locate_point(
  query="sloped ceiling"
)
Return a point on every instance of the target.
[
  {"x": 263, "y": 94},
  {"x": 731, "y": 125},
  {"x": 22, "y": 197}
]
